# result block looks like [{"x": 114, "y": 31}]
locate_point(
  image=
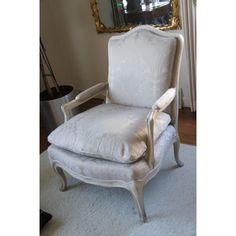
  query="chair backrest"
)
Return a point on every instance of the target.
[{"x": 143, "y": 64}]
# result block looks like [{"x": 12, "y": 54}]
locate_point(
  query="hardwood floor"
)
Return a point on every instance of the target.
[{"x": 187, "y": 125}]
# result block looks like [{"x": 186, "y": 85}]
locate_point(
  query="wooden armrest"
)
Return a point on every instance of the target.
[
  {"x": 161, "y": 104},
  {"x": 82, "y": 98},
  {"x": 165, "y": 100},
  {"x": 91, "y": 92}
]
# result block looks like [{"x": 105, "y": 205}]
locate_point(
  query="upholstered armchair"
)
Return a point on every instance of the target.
[{"x": 122, "y": 142}]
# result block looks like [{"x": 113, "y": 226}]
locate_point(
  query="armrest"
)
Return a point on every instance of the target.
[
  {"x": 92, "y": 92},
  {"x": 82, "y": 98},
  {"x": 161, "y": 104},
  {"x": 164, "y": 101}
]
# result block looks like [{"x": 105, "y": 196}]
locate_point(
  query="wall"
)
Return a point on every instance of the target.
[{"x": 78, "y": 55}]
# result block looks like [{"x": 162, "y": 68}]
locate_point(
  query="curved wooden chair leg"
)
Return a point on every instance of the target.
[
  {"x": 136, "y": 188},
  {"x": 60, "y": 173},
  {"x": 176, "y": 154}
]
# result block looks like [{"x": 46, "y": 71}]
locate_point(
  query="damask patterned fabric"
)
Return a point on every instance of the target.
[
  {"x": 140, "y": 67},
  {"x": 109, "y": 170},
  {"x": 108, "y": 131}
]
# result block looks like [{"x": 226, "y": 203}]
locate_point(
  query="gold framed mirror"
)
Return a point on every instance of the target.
[{"x": 122, "y": 15}]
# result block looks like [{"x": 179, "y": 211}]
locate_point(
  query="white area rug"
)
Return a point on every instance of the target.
[{"x": 89, "y": 210}]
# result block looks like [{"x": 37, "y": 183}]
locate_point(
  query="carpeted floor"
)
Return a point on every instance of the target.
[{"x": 88, "y": 210}]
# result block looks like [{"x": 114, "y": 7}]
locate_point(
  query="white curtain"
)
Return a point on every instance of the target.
[{"x": 188, "y": 15}]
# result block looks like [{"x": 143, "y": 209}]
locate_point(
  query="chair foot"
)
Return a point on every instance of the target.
[
  {"x": 136, "y": 188},
  {"x": 60, "y": 173},
  {"x": 176, "y": 154}
]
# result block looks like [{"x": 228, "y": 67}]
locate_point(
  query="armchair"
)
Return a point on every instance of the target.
[{"x": 121, "y": 143}]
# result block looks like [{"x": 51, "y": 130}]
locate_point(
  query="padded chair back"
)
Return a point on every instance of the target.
[{"x": 143, "y": 64}]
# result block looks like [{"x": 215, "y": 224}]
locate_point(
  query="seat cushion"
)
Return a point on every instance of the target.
[
  {"x": 108, "y": 131},
  {"x": 78, "y": 165}
]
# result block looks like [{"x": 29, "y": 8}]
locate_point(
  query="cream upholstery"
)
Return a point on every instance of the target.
[
  {"x": 139, "y": 64},
  {"x": 109, "y": 170},
  {"x": 118, "y": 133},
  {"x": 121, "y": 143}
]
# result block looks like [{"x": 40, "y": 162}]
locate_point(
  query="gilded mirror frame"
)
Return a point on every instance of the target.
[{"x": 174, "y": 22}]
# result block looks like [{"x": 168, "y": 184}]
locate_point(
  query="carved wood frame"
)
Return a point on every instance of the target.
[{"x": 101, "y": 28}]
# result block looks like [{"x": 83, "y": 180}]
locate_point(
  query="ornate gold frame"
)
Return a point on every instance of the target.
[{"x": 101, "y": 28}]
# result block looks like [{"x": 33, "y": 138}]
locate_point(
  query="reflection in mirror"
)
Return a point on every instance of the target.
[{"x": 122, "y": 15}]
